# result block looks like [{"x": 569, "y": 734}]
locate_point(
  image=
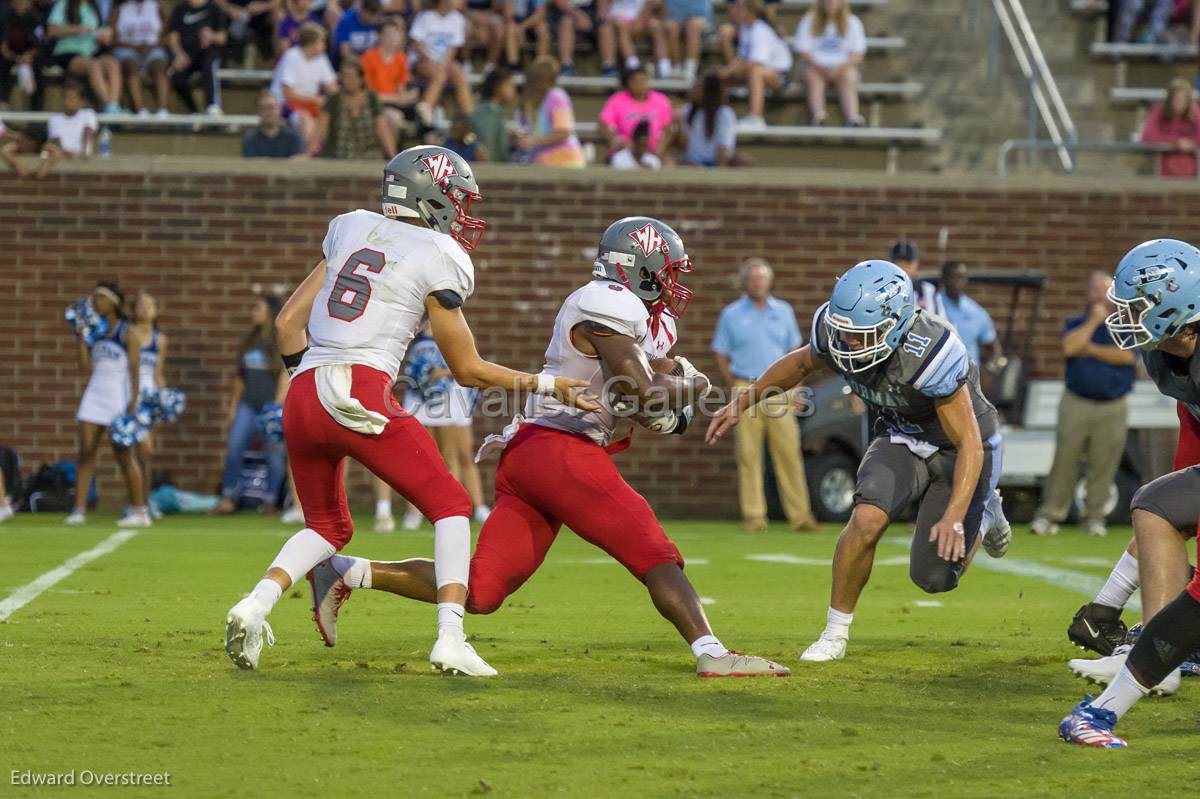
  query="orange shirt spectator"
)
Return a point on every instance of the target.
[
  {"x": 385, "y": 76},
  {"x": 1177, "y": 122}
]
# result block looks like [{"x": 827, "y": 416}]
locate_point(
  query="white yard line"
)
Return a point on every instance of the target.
[{"x": 27, "y": 593}]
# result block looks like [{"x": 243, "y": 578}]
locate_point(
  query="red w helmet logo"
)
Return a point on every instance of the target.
[
  {"x": 440, "y": 167},
  {"x": 649, "y": 239}
]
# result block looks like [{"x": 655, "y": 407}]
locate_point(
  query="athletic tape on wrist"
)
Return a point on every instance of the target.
[{"x": 545, "y": 383}]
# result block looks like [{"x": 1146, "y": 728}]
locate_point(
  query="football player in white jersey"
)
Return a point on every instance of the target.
[
  {"x": 556, "y": 468},
  {"x": 344, "y": 333}
]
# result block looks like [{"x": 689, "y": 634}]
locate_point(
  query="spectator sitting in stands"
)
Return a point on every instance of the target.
[
  {"x": 1175, "y": 121},
  {"x": 620, "y": 23},
  {"x": 485, "y": 28},
  {"x": 19, "y": 42},
  {"x": 973, "y": 323},
  {"x": 138, "y": 26},
  {"x": 709, "y": 129},
  {"x": 548, "y": 119},
  {"x": 436, "y": 36},
  {"x": 287, "y": 32},
  {"x": 1131, "y": 13},
  {"x": 638, "y": 154},
  {"x": 568, "y": 18},
  {"x": 831, "y": 42},
  {"x": 70, "y": 134},
  {"x": 462, "y": 140},
  {"x": 490, "y": 120},
  {"x": 352, "y": 125},
  {"x": 762, "y": 62},
  {"x": 358, "y": 29},
  {"x": 273, "y": 138},
  {"x": 687, "y": 20},
  {"x": 250, "y": 21},
  {"x": 303, "y": 76},
  {"x": 521, "y": 17},
  {"x": 197, "y": 34},
  {"x": 74, "y": 25},
  {"x": 633, "y": 104},
  {"x": 12, "y": 144},
  {"x": 386, "y": 68}
]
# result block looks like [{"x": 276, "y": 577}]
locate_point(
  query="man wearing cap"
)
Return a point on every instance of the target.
[
  {"x": 905, "y": 255},
  {"x": 752, "y": 333}
]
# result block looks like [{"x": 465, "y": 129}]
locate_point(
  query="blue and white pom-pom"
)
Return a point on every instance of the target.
[
  {"x": 126, "y": 431},
  {"x": 161, "y": 405},
  {"x": 85, "y": 322},
  {"x": 424, "y": 357},
  {"x": 270, "y": 422}
]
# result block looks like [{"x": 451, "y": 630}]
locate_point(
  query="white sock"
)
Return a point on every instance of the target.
[
  {"x": 1122, "y": 693},
  {"x": 450, "y": 618},
  {"x": 266, "y": 594},
  {"x": 383, "y": 507},
  {"x": 1121, "y": 584},
  {"x": 301, "y": 552},
  {"x": 451, "y": 550},
  {"x": 708, "y": 645},
  {"x": 633, "y": 62},
  {"x": 837, "y": 624},
  {"x": 356, "y": 572}
]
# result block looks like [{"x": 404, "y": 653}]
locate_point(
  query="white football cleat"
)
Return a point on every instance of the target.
[
  {"x": 999, "y": 535},
  {"x": 245, "y": 627},
  {"x": 1043, "y": 526},
  {"x": 824, "y": 649},
  {"x": 384, "y": 523},
  {"x": 6, "y": 512},
  {"x": 136, "y": 518},
  {"x": 735, "y": 664},
  {"x": 412, "y": 520},
  {"x": 76, "y": 519},
  {"x": 329, "y": 592},
  {"x": 453, "y": 654},
  {"x": 1105, "y": 670},
  {"x": 293, "y": 515}
]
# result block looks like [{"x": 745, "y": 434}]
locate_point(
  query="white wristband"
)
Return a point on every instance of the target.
[{"x": 545, "y": 384}]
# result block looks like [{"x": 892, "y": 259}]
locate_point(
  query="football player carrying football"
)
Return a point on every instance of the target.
[
  {"x": 1156, "y": 289},
  {"x": 936, "y": 439},
  {"x": 344, "y": 333},
  {"x": 556, "y": 467}
]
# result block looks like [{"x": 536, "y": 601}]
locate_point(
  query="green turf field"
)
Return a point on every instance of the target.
[{"x": 119, "y": 667}]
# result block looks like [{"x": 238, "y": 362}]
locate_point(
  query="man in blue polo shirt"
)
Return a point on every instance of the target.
[
  {"x": 972, "y": 322},
  {"x": 752, "y": 333},
  {"x": 1092, "y": 416}
]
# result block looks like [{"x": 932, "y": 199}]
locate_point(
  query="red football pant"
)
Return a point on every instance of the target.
[
  {"x": 404, "y": 455},
  {"x": 548, "y": 478},
  {"x": 1187, "y": 449}
]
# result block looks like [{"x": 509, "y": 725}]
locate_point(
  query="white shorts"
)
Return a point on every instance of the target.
[
  {"x": 105, "y": 398},
  {"x": 455, "y": 411}
]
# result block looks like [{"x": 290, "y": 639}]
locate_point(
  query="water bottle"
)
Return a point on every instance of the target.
[{"x": 105, "y": 142}]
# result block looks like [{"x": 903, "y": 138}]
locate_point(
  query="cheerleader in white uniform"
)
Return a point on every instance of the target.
[
  {"x": 151, "y": 368},
  {"x": 106, "y": 397},
  {"x": 444, "y": 408}
]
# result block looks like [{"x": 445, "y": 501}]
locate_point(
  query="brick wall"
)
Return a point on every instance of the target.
[{"x": 204, "y": 243}]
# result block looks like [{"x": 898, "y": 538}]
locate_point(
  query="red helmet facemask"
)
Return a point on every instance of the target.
[
  {"x": 675, "y": 296},
  {"x": 467, "y": 230}
]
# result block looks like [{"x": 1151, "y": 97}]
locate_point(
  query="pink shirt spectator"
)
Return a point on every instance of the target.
[
  {"x": 622, "y": 113},
  {"x": 1160, "y": 129}
]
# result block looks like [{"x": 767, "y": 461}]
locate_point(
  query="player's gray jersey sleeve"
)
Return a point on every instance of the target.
[{"x": 935, "y": 360}]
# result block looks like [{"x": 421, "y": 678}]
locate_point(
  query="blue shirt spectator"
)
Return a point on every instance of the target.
[
  {"x": 756, "y": 330},
  {"x": 358, "y": 30},
  {"x": 972, "y": 322},
  {"x": 1094, "y": 379}
]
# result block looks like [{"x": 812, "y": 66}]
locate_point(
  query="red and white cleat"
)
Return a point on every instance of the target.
[
  {"x": 329, "y": 592},
  {"x": 735, "y": 664}
]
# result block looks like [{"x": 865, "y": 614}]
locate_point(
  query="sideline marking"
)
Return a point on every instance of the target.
[{"x": 27, "y": 593}]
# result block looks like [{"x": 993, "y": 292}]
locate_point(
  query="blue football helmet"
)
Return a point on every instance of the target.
[
  {"x": 869, "y": 312},
  {"x": 1156, "y": 289}
]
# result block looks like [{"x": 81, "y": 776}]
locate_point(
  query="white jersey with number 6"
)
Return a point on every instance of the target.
[
  {"x": 617, "y": 308},
  {"x": 378, "y": 273}
]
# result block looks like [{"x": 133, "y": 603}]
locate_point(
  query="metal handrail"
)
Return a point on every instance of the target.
[
  {"x": 1007, "y": 147},
  {"x": 1040, "y": 82}
]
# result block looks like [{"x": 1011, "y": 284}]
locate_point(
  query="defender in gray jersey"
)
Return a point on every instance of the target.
[{"x": 935, "y": 439}]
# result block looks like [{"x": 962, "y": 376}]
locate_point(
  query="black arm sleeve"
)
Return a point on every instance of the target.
[{"x": 448, "y": 299}]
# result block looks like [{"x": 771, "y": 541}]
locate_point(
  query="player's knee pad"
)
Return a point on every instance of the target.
[
  {"x": 483, "y": 601},
  {"x": 444, "y": 499},
  {"x": 1167, "y": 640},
  {"x": 936, "y": 580}
]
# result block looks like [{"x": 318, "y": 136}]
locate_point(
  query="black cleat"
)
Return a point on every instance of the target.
[{"x": 1097, "y": 628}]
